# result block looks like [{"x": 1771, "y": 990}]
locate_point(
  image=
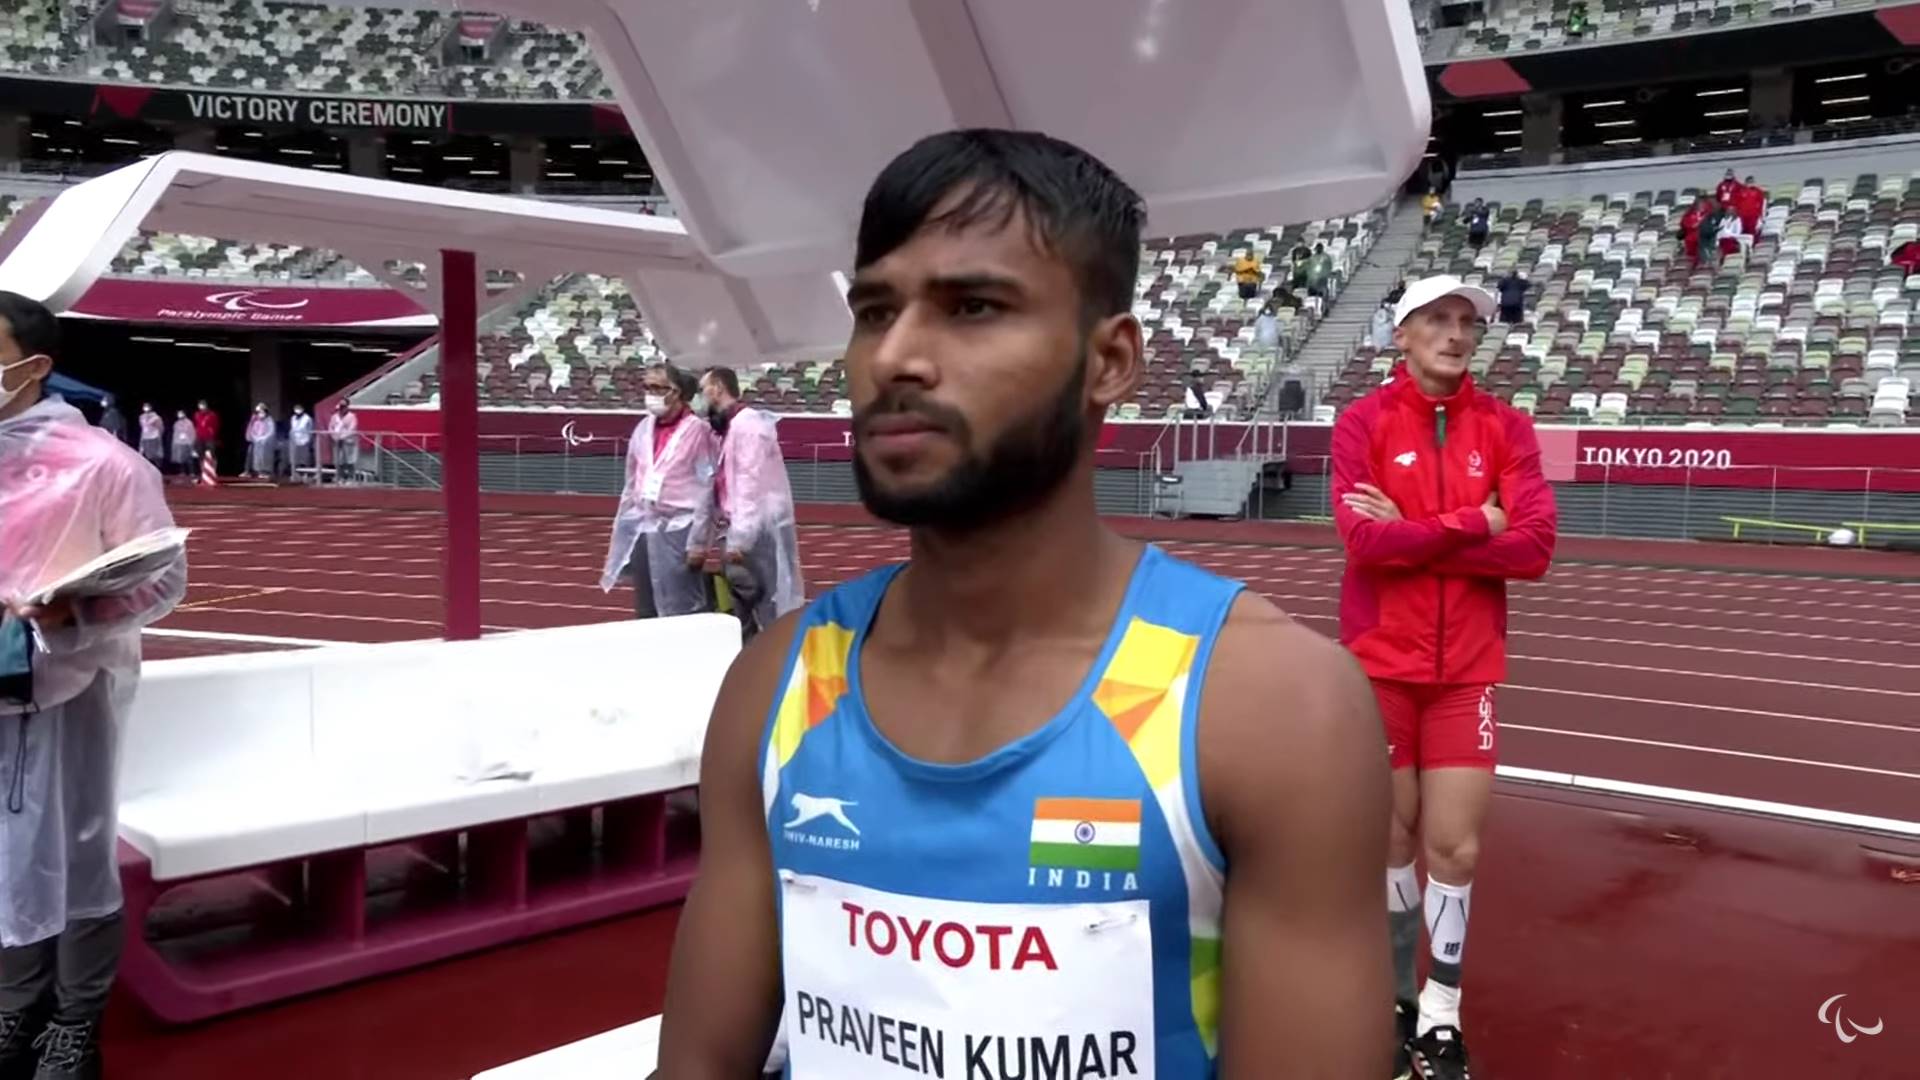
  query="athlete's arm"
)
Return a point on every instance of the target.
[
  {"x": 1399, "y": 542},
  {"x": 1525, "y": 549},
  {"x": 1293, "y": 772},
  {"x": 723, "y": 987}
]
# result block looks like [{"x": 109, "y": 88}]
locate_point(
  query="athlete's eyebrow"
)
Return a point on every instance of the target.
[
  {"x": 863, "y": 291},
  {"x": 978, "y": 281}
]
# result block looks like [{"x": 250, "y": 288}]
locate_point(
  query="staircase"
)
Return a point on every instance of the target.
[
  {"x": 1214, "y": 487},
  {"x": 1326, "y": 349}
]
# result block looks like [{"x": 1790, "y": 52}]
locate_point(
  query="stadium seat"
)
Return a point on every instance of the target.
[
  {"x": 1805, "y": 327},
  {"x": 1533, "y": 25},
  {"x": 243, "y": 45},
  {"x": 583, "y": 339}
]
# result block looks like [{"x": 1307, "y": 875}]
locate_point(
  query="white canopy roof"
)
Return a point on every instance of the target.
[
  {"x": 768, "y": 119},
  {"x": 54, "y": 251}
]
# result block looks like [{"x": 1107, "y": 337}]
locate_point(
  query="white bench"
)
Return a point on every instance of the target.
[
  {"x": 628, "y": 1053},
  {"x": 625, "y": 1053},
  {"x": 235, "y": 761},
  {"x": 312, "y": 757}
]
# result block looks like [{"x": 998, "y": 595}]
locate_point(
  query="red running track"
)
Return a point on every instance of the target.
[
  {"x": 1800, "y": 690},
  {"x": 1611, "y": 937}
]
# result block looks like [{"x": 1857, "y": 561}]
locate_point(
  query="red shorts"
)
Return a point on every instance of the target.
[{"x": 1438, "y": 725}]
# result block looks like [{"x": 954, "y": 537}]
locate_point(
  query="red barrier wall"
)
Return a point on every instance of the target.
[{"x": 1807, "y": 459}]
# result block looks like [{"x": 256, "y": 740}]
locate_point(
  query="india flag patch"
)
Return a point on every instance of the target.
[{"x": 1086, "y": 834}]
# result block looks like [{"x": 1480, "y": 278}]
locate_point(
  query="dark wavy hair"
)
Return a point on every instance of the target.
[{"x": 1078, "y": 208}]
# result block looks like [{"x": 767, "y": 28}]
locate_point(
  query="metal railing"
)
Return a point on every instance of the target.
[
  {"x": 1692, "y": 503},
  {"x": 1594, "y": 498}
]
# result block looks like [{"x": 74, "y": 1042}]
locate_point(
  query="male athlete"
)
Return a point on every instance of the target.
[
  {"x": 1053, "y": 854},
  {"x": 1439, "y": 500}
]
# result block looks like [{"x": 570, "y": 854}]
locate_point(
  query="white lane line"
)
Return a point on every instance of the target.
[
  {"x": 1710, "y": 799},
  {"x": 1837, "y": 688},
  {"x": 1713, "y": 750},
  {"x": 287, "y": 615},
  {"x": 1705, "y": 707},
  {"x": 1798, "y": 657},
  {"x": 1646, "y": 624},
  {"x": 248, "y": 639}
]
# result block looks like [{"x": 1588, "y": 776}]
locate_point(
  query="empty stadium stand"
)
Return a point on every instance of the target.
[
  {"x": 582, "y": 341},
  {"x": 1811, "y": 325},
  {"x": 243, "y": 45},
  {"x": 1527, "y": 25}
]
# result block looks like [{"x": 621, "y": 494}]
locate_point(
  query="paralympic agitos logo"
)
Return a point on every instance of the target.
[{"x": 244, "y": 300}]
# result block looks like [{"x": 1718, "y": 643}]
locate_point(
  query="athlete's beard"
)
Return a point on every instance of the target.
[{"x": 1024, "y": 466}]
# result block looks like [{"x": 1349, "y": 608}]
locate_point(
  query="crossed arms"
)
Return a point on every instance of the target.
[{"x": 1511, "y": 536}]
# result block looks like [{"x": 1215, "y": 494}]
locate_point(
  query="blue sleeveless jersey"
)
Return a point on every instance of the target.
[{"x": 1051, "y": 910}]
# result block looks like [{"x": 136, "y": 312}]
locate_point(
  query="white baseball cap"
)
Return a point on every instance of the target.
[{"x": 1425, "y": 291}]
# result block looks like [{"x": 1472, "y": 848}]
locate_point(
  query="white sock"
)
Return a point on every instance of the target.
[
  {"x": 1403, "y": 889},
  {"x": 1439, "y": 1007},
  {"x": 1447, "y": 908}
]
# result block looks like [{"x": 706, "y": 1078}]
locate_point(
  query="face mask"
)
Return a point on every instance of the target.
[
  {"x": 6, "y": 395},
  {"x": 657, "y": 404}
]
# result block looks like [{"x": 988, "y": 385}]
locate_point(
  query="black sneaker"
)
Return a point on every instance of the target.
[
  {"x": 1441, "y": 1054},
  {"x": 68, "y": 1052},
  {"x": 1406, "y": 1016},
  {"x": 17, "y": 1056}
]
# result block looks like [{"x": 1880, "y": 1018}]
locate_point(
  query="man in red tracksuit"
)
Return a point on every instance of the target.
[{"x": 1439, "y": 499}]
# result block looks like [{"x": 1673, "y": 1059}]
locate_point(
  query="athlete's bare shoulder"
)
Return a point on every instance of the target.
[
  {"x": 1277, "y": 697},
  {"x": 1295, "y": 788}
]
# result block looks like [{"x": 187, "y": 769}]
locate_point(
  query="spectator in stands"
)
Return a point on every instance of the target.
[
  {"x": 299, "y": 442},
  {"x": 1246, "y": 273},
  {"x": 1730, "y": 237},
  {"x": 261, "y": 433},
  {"x": 1690, "y": 223},
  {"x": 1907, "y": 257},
  {"x": 1513, "y": 296},
  {"x": 186, "y": 445},
  {"x": 1284, "y": 297},
  {"x": 68, "y": 494},
  {"x": 1297, "y": 269},
  {"x": 1319, "y": 270},
  {"x": 1578, "y": 22},
  {"x": 1266, "y": 328},
  {"x": 206, "y": 430},
  {"x": 112, "y": 421},
  {"x": 1430, "y": 207},
  {"x": 1479, "y": 222},
  {"x": 343, "y": 435},
  {"x": 1380, "y": 333},
  {"x": 1439, "y": 499},
  {"x": 153, "y": 437},
  {"x": 1710, "y": 225},
  {"x": 1750, "y": 204},
  {"x": 1727, "y": 191},
  {"x": 1196, "y": 400},
  {"x": 667, "y": 501},
  {"x": 756, "y": 523}
]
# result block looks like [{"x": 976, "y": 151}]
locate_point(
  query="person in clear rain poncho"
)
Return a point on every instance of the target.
[
  {"x": 186, "y": 444},
  {"x": 667, "y": 503},
  {"x": 69, "y": 493},
  {"x": 755, "y": 503},
  {"x": 299, "y": 442},
  {"x": 261, "y": 432}
]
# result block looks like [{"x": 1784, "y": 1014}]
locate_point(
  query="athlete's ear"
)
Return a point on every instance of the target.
[{"x": 1115, "y": 360}]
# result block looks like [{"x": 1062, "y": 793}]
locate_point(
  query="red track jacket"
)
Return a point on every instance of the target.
[{"x": 1424, "y": 599}]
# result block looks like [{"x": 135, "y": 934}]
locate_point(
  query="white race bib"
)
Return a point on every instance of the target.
[{"x": 881, "y": 986}]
